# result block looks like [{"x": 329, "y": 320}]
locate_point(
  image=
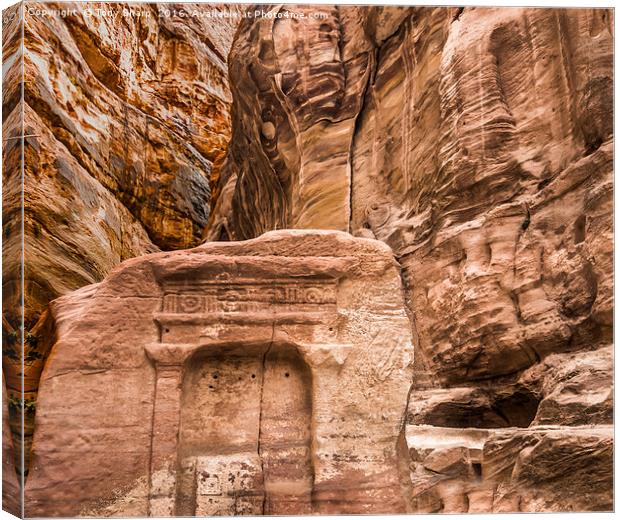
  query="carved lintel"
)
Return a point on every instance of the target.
[{"x": 259, "y": 317}]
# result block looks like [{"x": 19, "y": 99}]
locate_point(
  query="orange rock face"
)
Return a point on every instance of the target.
[
  {"x": 126, "y": 118},
  {"x": 11, "y": 488}
]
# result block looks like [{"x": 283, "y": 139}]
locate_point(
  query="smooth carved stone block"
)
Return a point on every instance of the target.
[{"x": 260, "y": 377}]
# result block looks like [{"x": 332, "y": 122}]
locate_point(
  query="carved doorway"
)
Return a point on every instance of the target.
[{"x": 245, "y": 432}]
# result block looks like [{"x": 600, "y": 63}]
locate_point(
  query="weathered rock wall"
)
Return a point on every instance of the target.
[
  {"x": 127, "y": 116},
  {"x": 11, "y": 489},
  {"x": 126, "y": 120},
  {"x": 478, "y": 144},
  {"x": 12, "y": 217}
]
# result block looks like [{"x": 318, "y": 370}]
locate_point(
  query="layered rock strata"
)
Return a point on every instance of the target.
[
  {"x": 126, "y": 116},
  {"x": 261, "y": 377},
  {"x": 12, "y": 256},
  {"x": 478, "y": 144},
  {"x": 11, "y": 489}
]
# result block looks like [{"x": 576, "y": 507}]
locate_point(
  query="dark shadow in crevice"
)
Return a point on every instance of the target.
[
  {"x": 480, "y": 410},
  {"x": 518, "y": 409}
]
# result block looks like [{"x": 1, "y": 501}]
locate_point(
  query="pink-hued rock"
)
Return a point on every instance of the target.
[
  {"x": 478, "y": 144},
  {"x": 486, "y": 171},
  {"x": 267, "y": 376},
  {"x": 471, "y": 470}
]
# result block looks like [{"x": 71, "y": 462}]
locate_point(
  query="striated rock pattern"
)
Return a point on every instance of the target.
[
  {"x": 541, "y": 443},
  {"x": 277, "y": 375},
  {"x": 127, "y": 120},
  {"x": 477, "y": 143},
  {"x": 11, "y": 489},
  {"x": 289, "y": 91},
  {"x": 506, "y": 470},
  {"x": 126, "y": 117},
  {"x": 12, "y": 293},
  {"x": 260, "y": 377}
]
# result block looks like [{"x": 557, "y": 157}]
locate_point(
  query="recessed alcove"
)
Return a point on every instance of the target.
[{"x": 245, "y": 432}]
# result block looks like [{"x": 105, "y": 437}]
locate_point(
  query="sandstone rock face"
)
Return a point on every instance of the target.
[
  {"x": 127, "y": 116},
  {"x": 477, "y": 143},
  {"x": 267, "y": 376},
  {"x": 289, "y": 91},
  {"x": 12, "y": 293},
  {"x": 11, "y": 490},
  {"x": 127, "y": 119},
  {"x": 275, "y": 375},
  {"x": 505, "y": 470}
]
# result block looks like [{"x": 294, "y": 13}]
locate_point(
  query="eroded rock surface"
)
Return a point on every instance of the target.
[
  {"x": 127, "y": 119},
  {"x": 472, "y": 470},
  {"x": 477, "y": 143},
  {"x": 11, "y": 489},
  {"x": 267, "y": 376}
]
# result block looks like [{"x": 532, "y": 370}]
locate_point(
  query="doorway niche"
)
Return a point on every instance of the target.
[{"x": 245, "y": 432}]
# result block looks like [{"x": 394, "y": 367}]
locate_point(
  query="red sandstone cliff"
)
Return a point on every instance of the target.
[{"x": 477, "y": 143}]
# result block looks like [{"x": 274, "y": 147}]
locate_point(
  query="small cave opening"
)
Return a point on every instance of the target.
[
  {"x": 518, "y": 409},
  {"x": 224, "y": 236},
  {"x": 502, "y": 410},
  {"x": 592, "y": 145},
  {"x": 580, "y": 229}
]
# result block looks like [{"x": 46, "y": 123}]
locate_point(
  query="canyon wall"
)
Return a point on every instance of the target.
[
  {"x": 126, "y": 121},
  {"x": 477, "y": 143}
]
